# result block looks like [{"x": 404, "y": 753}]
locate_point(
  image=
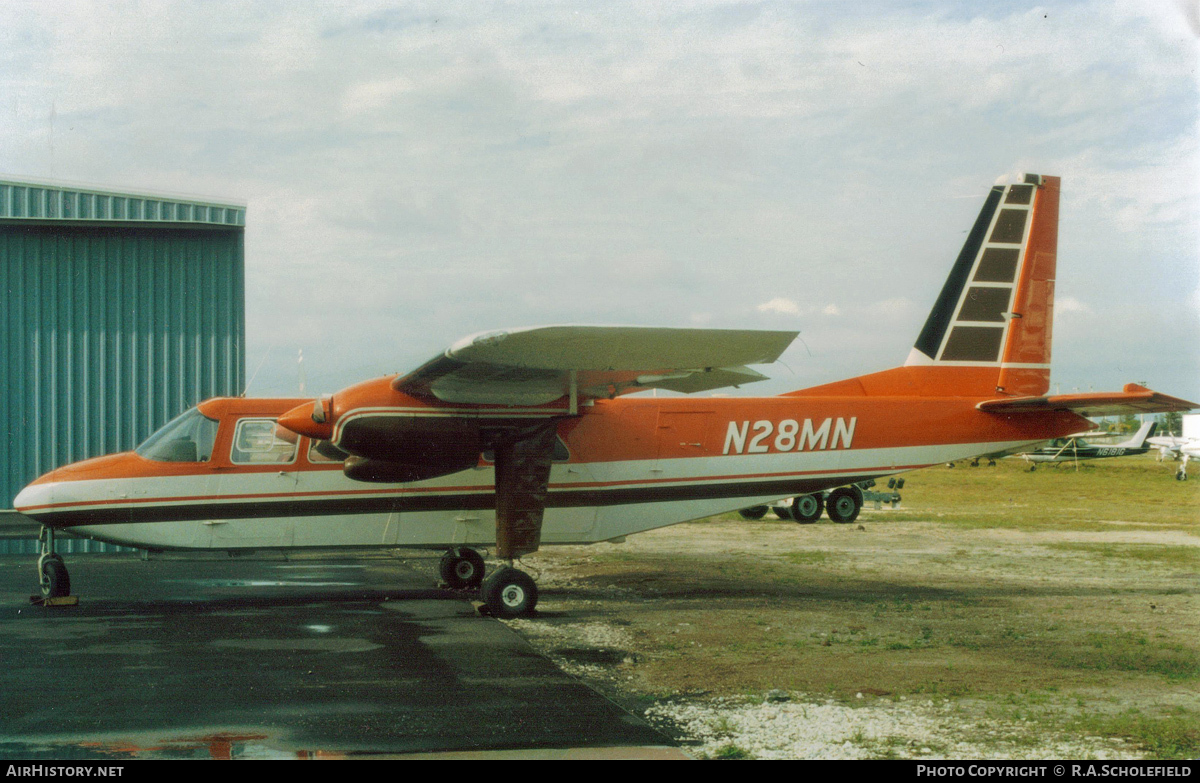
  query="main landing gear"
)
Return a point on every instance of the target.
[
  {"x": 52, "y": 571},
  {"x": 507, "y": 592},
  {"x": 841, "y": 505}
]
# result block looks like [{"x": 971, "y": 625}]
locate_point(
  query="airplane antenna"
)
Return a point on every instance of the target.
[
  {"x": 300, "y": 371},
  {"x": 801, "y": 339},
  {"x": 256, "y": 369}
]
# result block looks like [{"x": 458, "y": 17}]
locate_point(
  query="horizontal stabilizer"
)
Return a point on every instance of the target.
[
  {"x": 537, "y": 365},
  {"x": 1134, "y": 399}
]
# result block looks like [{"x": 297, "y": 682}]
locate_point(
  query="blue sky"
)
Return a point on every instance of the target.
[{"x": 420, "y": 172}]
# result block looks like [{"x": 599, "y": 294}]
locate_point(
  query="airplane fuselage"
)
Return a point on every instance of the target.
[
  {"x": 1086, "y": 452},
  {"x": 629, "y": 465}
]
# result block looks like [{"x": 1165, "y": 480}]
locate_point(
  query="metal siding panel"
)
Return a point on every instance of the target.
[
  {"x": 7, "y": 380},
  {"x": 108, "y": 333},
  {"x": 17, "y": 370}
]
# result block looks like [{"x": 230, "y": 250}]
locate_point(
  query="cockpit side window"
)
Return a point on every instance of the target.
[
  {"x": 188, "y": 437},
  {"x": 255, "y": 443}
]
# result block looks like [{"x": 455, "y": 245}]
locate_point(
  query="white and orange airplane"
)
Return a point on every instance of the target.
[{"x": 514, "y": 439}]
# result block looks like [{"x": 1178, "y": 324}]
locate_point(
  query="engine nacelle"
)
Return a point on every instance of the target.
[
  {"x": 414, "y": 440},
  {"x": 387, "y": 472}
]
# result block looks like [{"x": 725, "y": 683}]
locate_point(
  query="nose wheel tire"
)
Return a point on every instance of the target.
[
  {"x": 462, "y": 568},
  {"x": 56, "y": 582},
  {"x": 509, "y": 593}
]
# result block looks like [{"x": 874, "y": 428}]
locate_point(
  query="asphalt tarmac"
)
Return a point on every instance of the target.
[{"x": 274, "y": 658}]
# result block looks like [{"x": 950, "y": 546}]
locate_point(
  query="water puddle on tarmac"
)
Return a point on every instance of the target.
[
  {"x": 223, "y": 745},
  {"x": 259, "y": 583}
]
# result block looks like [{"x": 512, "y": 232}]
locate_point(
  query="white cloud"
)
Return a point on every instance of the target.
[
  {"x": 426, "y": 171},
  {"x": 779, "y": 305},
  {"x": 1069, "y": 304},
  {"x": 374, "y": 95}
]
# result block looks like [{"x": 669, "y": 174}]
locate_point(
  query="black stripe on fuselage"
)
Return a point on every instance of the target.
[{"x": 149, "y": 513}]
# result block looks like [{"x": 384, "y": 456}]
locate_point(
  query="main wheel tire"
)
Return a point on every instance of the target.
[
  {"x": 843, "y": 505},
  {"x": 462, "y": 568},
  {"x": 807, "y": 509},
  {"x": 56, "y": 582},
  {"x": 509, "y": 593},
  {"x": 754, "y": 512}
]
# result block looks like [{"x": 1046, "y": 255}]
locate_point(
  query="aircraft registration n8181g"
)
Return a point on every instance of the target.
[{"x": 514, "y": 439}]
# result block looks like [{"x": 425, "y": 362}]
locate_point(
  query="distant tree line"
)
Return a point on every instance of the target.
[{"x": 1168, "y": 423}]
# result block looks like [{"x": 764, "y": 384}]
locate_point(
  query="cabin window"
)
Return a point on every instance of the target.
[
  {"x": 322, "y": 451},
  {"x": 188, "y": 437},
  {"x": 255, "y": 442}
]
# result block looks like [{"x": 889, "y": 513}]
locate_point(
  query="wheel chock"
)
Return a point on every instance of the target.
[{"x": 65, "y": 600}]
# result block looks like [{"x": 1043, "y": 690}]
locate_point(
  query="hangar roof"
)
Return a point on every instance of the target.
[{"x": 29, "y": 201}]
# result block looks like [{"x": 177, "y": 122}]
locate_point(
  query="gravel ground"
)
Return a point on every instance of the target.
[
  {"x": 797, "y": 729},
  {"x": 784, "y": 725}
]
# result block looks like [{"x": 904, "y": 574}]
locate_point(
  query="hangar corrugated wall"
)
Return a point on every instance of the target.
[{"x": 120, "y": 311}]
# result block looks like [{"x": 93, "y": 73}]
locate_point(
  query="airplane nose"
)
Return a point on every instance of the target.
[
  {"x": 303, "y": 420},
  {"x": 33, "y": 497}
]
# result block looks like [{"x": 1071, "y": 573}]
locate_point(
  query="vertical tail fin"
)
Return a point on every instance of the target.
[
  {"x": 996, "y": 308},
  {"x": 1139, "y": 438},
  {"x": 988, "y": 334}
]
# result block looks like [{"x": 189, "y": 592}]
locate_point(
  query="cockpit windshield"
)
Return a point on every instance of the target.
[{"x": 188, "y": 437}]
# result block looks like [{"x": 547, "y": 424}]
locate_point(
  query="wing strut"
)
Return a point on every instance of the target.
[{"x": 523, "y": 461}]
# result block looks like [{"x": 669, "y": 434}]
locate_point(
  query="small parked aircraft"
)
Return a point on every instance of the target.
[
  {"x": 1177, "y": 447},
  {"x": 518, "y": 438},
  {"x": 1169, "y": 446},
  {"x": 1076, "y": 448}
]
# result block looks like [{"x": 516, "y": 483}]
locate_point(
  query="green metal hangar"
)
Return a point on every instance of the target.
[{"x": 118, "y": 311}]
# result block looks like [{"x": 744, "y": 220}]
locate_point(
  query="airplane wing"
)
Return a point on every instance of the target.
[
  {"x": 536, "y": 365},
  {"x": 1133, "y": 399}
]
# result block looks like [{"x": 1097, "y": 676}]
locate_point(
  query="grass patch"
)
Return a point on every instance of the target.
[
  {"x": 1130, "y": 652},
  {"x": 1175, "y": 736},
  {"x": 731, "y": 752},
  {"x": 1182, "y": 556},
  {"x": 1137, "y": 489},
  {"x": 805, "y": 557}
]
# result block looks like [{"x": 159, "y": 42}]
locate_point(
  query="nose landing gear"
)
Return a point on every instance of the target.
[{"x": 52, "y": 571}]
